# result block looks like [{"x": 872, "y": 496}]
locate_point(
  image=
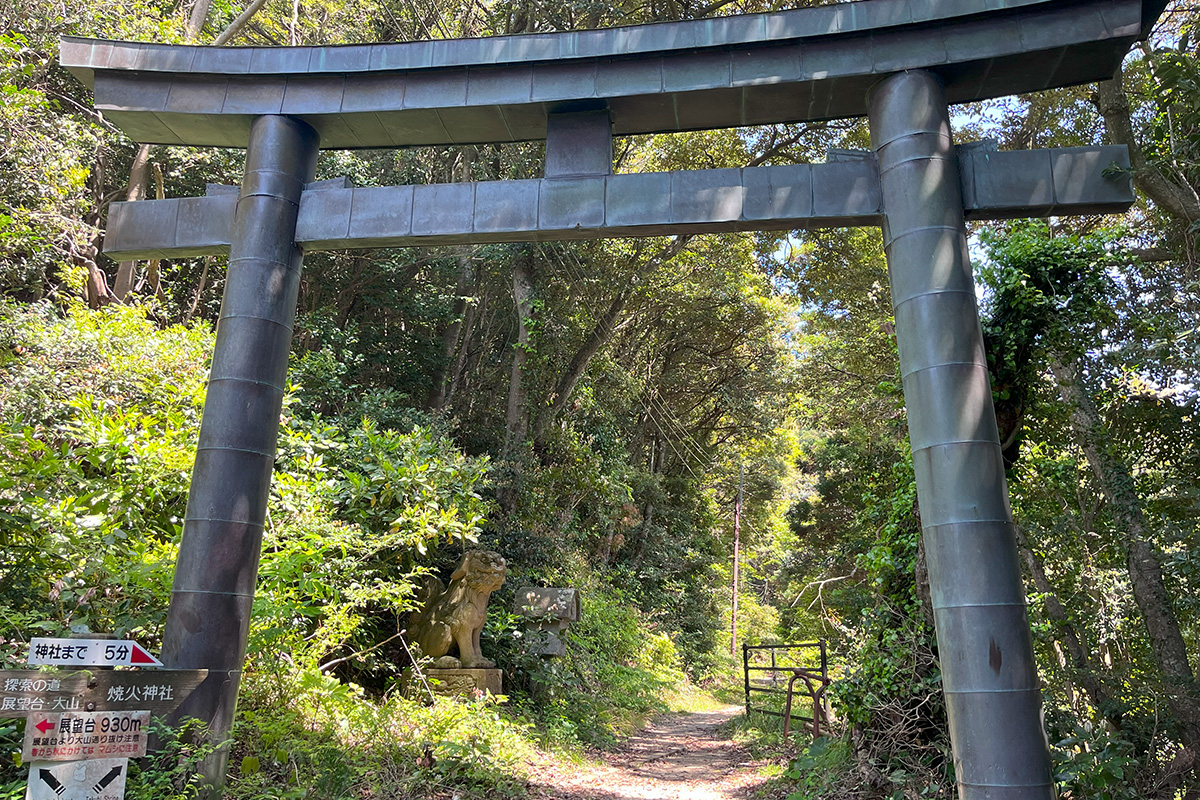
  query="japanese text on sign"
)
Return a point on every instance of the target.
[
  {"x": 83, "y": 735},
  {"x": 27, "y": 692},
  {"x": 89, "y": 653}
]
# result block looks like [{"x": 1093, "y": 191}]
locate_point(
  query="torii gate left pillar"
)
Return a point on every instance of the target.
[{"x": 213, "y": 593}]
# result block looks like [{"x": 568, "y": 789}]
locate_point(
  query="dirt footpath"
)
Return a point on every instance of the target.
[{"x": 680, "y": 756}]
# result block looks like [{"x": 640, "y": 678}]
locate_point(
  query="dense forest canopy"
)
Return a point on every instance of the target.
[{"x": 587, "y": 410}]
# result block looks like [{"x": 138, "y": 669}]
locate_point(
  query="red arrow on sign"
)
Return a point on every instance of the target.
[
  {"x": 139, "y": 656},
  {"x": 45, "y": 725}
]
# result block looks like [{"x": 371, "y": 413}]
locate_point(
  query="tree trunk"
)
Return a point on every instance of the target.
[
  {"x": 153, "y": 280},
  {"x": 236, "y": 26},
  {"x": 643, "y": 536},
  {"x": 96, "y": 291},
  {"x": 199, "y": 293},
  {"x": 139, "y": 176},
  {"x": 598, "y": 337},
  {"x": 458, "y": 330},
  {"x": 1145, "y": 571},
  {"x": 1178, "y": 200},
  {"x": 463, "y": 361},
  {"x": 517, "y": 418},
  {"x": 452, "y": 335},
  {"x": 1083, "y": 671},
  {"x": 197, "y": 18}
]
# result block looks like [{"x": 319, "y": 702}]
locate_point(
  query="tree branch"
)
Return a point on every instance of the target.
[
  {"x": 236, "y": 26},
  {"x": 1113, "y": 105}
]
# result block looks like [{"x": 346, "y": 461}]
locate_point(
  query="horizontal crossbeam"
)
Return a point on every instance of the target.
[
  {"x": 995, "y": 185},
  {"x": 758, "y": 69}
]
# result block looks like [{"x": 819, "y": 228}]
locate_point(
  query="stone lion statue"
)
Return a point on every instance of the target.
[{"x": 448, "y": 620}]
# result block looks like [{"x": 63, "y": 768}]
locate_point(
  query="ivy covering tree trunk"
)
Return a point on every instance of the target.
[{"x": 1145, "y": 569}]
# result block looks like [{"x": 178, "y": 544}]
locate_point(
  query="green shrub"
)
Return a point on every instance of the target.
[
  {"x": 819, "y": 768},
  {"x": 307, "y": 734},
  {"x": 1094, "y": 765}
]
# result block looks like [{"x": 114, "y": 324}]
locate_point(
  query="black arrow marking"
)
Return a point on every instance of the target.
[
  {"x": 48, "y": 778},
  {"x": 112, "y": 775}
]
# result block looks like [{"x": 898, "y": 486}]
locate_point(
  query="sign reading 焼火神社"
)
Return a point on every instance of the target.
[{"x": 26, "y": 692}]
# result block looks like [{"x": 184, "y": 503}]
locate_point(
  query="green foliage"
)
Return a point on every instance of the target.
[
  {"x": 893, "y": 691},
  {"x": 307, "y": 734},
  {"x": 46, "y": 161},
  {"x": 170, "y": 773},
  {"x": 819, "y": 768},
  {"x": 1173, "y": 144},
  {"x": 855, "y": 575},
  {"x": 1095, "y": 765},
  {"x": 100, "y": 413},
  {"x": 1045, "y": 295},
  {"x": 96, "y": 441},
  {"x": 1060, "y": 299},
  {"x": 654, "y": 369},
  {"x": 354, "y": 513},
  {"x": 417, "y": 474},
  {"x": 614, "y": 675}
]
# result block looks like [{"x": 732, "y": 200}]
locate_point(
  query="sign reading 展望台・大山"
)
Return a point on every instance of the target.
[{"x": 27, "y": 692}]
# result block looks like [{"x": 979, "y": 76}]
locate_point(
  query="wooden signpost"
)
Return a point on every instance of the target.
[
  {"x": 83, "y": 725},
  {"x": 24, "y": 692}
]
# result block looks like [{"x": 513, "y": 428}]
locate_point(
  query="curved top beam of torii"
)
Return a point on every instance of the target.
[{"x": 791, "y": 66}]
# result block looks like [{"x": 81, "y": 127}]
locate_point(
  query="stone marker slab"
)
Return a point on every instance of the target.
[{"x": 454, "y": 683}]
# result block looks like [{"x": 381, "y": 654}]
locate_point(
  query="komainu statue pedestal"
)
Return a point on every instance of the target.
[{"x": 467, "y": 683}]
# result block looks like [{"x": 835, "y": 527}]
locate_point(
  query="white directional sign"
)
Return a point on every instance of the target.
[
  {"x": 98, "y": 779},
  {"x": 85, "y": 734},
  {"x": 89, "y": 653}
]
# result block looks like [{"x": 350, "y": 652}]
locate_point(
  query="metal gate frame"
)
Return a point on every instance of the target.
[{"x": 820, "y": 703}]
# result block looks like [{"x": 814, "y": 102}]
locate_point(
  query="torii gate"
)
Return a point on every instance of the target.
[{"x": 899, "y": 62}]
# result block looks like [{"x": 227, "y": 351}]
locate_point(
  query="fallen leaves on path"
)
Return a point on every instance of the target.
[{"x": 680, "y": 756}]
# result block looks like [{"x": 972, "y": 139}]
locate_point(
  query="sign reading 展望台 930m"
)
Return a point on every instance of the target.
[{"x": 81, "y": 735}]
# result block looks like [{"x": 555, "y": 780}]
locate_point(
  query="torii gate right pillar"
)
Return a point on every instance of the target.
[{"x": 989, "y": 676}]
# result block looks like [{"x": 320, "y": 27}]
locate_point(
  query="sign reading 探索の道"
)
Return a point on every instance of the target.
[
  {"x": 84, "y": 735},
  {"x": 89, "y": 653},
  {"x": 97, "y": 779},
  {"x": 26, "y": 692}
]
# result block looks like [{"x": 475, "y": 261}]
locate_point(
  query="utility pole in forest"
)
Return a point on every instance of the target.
[{"x": 737, "y": 535}]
